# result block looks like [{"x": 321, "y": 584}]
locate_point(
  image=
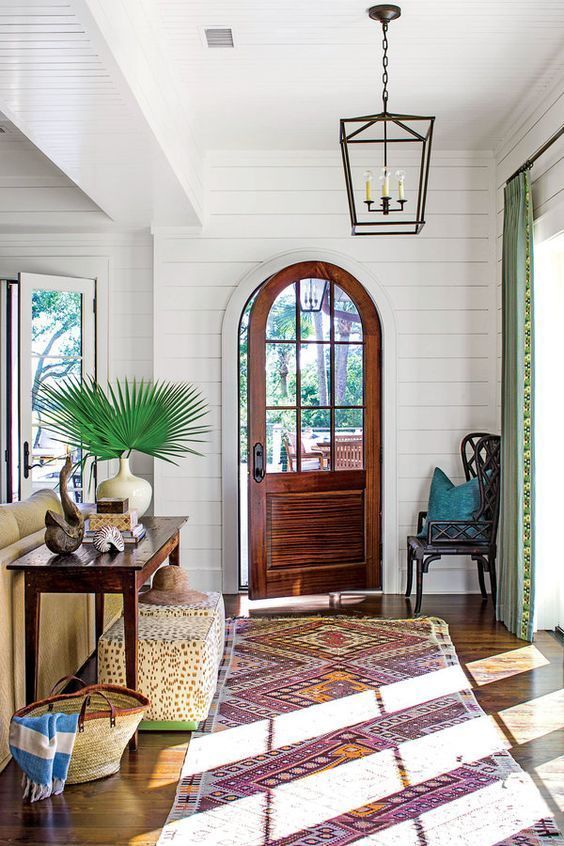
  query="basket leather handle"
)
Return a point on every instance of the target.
[
  {"x": 85, "y": 704},
  {"x": 66, "y": 680}
]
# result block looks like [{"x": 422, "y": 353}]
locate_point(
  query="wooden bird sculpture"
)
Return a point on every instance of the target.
[{"x": 64, "y": 534}]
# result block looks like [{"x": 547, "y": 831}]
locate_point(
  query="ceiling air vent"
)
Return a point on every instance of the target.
[{"x": 219, "y": 37}]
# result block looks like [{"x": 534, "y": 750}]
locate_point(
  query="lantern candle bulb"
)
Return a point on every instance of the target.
[
  {"x": 368, "y": 186},
  {"x": 401, "y": 184},
  {"x": 385, "y": 180}
]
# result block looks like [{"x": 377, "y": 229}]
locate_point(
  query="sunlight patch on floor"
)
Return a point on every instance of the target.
[
  {"x": 168, "y": 762},
  {"x": 414, "y": 691},
  {"x": 534, "y": 718},
  {"x": 552, "y": 776},
  {"x": 481, "y": 818},
  {"x": 506, "y": 664},
  {"x": 226, "y": 747},
  {"x": 311, "y": 800},
  {"x": 148, "y": 838},
  {"x": 289, "y": 603}
]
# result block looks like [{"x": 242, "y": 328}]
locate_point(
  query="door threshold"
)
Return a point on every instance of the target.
[{"x": 335, "y": 596}]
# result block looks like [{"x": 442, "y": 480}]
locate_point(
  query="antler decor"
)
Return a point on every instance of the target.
[{"x": 64, "y": 534}]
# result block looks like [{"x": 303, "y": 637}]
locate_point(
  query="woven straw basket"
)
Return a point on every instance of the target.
[{"x": 108, "y": 718}]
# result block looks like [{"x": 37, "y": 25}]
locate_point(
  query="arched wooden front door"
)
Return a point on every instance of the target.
[{"x": 314, "y": 434}]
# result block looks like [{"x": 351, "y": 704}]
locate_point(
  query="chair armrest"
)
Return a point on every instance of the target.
[
  {"x": 459, "y": 531},
  {"x": 420, "y": 520}
]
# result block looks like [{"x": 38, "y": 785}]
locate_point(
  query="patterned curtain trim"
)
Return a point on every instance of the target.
[{"x": 526, "y": 632}]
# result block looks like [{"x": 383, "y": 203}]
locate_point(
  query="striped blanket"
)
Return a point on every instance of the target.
[{"x": 42, "y": 747}]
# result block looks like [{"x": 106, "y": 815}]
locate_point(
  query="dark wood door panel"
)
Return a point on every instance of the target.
[
  {"x": 305, "y": 530},
  {"x": 299, "y": 581},
  {"x": 340, "y": 480}
]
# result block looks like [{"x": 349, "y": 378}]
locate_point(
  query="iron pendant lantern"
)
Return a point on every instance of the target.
[{"x": 386, "y": 158}]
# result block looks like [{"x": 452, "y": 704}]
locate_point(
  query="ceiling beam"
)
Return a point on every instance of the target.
[{"x": 81, "y": 90}]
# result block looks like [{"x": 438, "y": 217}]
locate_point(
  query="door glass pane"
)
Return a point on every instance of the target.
[
  {"x": 280, "y": 441},
  {"x": 281, "y": 374},
  {"x": 314, "y": 310},
  {"x": 315, "y": 374},
  {"x": 348, "y": 325},
  {"x": 281, "y": 324},
  {"x": 56, "y": 323},
  {"x": 348, "y": 374},
  {"x": 348, "y": 438},
  {"x": 316, "y": 439},
  {"x": 56, "y": 350}
]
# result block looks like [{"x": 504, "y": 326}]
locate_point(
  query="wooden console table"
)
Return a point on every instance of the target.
[{"x": 90, "y": 571}]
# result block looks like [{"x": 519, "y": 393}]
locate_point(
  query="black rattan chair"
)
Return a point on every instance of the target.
[{"x": 476, "y": 538}]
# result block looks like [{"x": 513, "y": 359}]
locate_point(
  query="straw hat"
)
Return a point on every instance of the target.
[{"x": 170, "y": 587}]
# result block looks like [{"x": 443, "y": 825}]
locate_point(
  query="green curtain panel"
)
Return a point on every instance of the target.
[{"x": 515, "y": 603}]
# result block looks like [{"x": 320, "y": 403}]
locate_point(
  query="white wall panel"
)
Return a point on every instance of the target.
[
  {"x": 444, "y": 345},
  {"x": 441, "y": 286}
]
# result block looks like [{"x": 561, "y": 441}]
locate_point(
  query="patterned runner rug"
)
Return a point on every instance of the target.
[{"x": 338, "y": 730}]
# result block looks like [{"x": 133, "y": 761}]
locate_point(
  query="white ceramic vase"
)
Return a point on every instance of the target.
[{"x": 125, "y": 484}]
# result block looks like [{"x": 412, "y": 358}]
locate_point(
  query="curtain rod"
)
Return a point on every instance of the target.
[{"x": 527, "y": 165}]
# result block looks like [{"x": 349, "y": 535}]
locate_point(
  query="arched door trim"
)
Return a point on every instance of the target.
[{"x": 230, "y": 364}]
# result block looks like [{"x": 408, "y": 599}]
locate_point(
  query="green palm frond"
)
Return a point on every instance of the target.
[{"x": 160, "y": 419}]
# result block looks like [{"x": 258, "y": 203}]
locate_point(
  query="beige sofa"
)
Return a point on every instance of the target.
[{"x": 66, "y": 633}]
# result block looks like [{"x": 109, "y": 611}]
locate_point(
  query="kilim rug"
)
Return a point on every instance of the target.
[{"x": 338, "y": 730}]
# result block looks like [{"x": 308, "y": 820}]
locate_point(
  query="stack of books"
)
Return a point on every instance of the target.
[{"x": 115, "y": 512}]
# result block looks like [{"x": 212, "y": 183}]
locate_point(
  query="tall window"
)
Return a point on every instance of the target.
[{"x": 549, "y": 412}]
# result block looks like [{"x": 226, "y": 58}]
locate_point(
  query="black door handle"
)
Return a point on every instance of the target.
[
  {"x": 27, "y": 467},
  {"x": 258, "y": 462}
]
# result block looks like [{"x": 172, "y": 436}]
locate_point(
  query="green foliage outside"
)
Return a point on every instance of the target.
[
  {"x": 56, "y": 330},
  {"x": 315, "y": 371}
]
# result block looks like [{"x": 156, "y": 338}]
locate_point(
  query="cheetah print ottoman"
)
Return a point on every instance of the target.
[
  {"x": 212, "y": 606},
  {"x": 177, "y": 663}
]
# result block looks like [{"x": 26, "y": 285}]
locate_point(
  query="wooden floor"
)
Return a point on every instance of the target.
[{"x": 130, "y": 807}]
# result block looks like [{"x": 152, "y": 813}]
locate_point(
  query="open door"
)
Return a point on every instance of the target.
[
  {"x": 56, "y": 340},
  {"x": 314, "y": 434}
]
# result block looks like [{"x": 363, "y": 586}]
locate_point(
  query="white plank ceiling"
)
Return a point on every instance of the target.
[
  {"x": 124, "y": 96},
  {"x": 299, "y": 65}
]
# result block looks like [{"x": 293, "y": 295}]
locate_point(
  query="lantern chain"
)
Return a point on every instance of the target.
[{"x": 385, "y": 65}]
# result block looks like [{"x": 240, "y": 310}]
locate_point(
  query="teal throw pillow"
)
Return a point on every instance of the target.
[{"x": 448, "y": 501}]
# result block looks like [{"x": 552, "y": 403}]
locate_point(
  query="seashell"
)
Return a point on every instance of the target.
[{"x": 108, "y": 538}]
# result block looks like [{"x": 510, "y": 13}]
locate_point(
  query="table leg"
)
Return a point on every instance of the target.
[
  {"x": 130, "y": 636},
  {"x": 99, "y": 623},
  {"x": 174, "y": 556},
  {"x": 32, "y": 611}
]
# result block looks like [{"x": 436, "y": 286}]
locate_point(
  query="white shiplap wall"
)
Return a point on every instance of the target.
[{"x": 441, "y": 284}]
